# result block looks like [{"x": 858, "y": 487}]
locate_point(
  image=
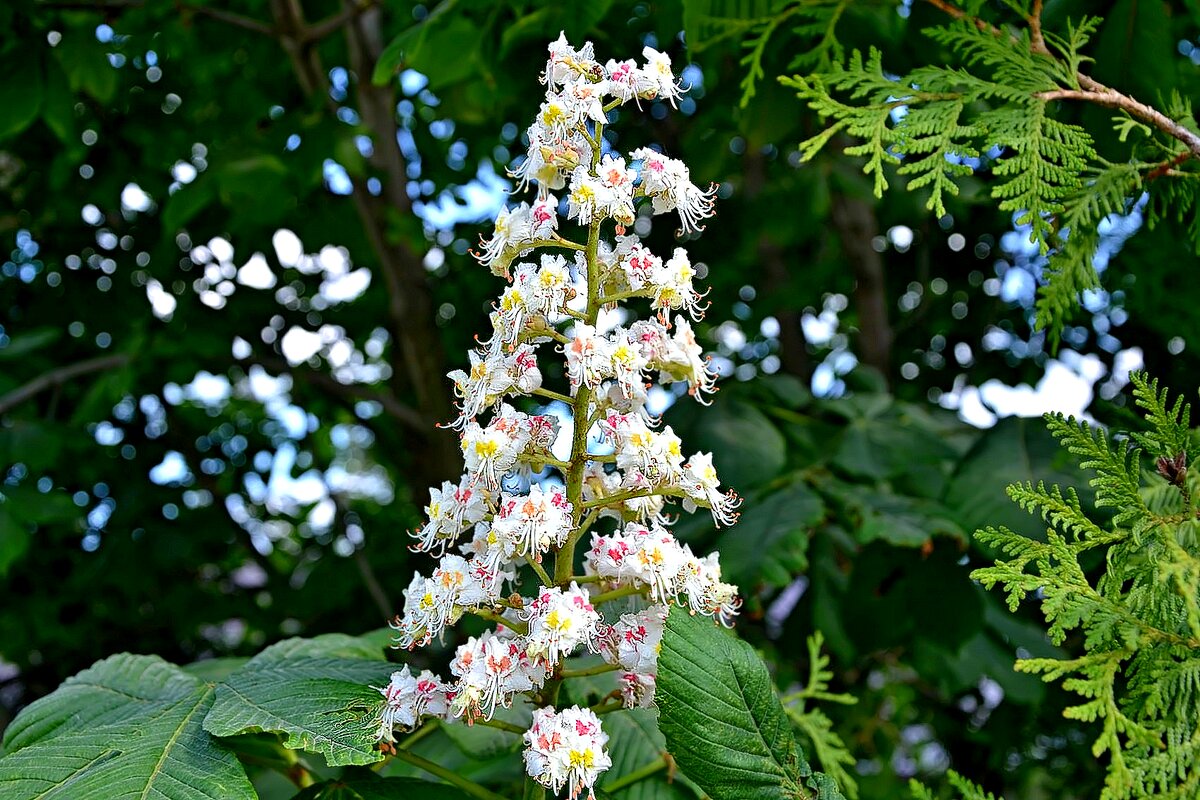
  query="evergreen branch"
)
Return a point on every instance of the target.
[
  {"x": 967, "y": 790},
  {"x": 828, "y": 748},
  {"x": 1139, "y": 676},
  {"x": 1117, "y": 470},
  {"x": 757, "y": 46},
  {"x": 1098, "y": 94},
  {"x": 1169, "y": 433},
  {"x": 1063, "y": 511}
]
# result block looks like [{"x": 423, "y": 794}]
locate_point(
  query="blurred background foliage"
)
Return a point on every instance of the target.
[{"x": 236, "y": 273}]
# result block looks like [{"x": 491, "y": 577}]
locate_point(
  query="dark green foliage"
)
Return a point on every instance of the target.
[
  {"x": 1139, "y": 618},
  {"x": 998, "y": 103}
]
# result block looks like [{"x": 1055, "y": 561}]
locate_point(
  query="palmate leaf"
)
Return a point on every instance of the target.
[
  {"x": 127, "y": 727},
  {"x": 315, "y": 693},
  {"x": 722, "y": 720}
]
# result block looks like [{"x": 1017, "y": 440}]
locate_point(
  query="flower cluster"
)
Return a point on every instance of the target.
[{"x": 524, "y": 503}]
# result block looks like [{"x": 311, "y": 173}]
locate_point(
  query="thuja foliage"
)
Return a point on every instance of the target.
[
  {"x": 1128, "y": 587},
  {"x": 998, "y": 108}
]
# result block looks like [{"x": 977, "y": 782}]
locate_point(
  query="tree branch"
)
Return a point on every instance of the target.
[
  {"x": 331, "y": 24},
  {"x": 1038, "y": 41},
  {"x": 855, "y": 224},
  {"x": 396, "y": 409},
  {"x": 228, "y": 17},
  {"x": 1092, "y": 90},
  {"x": 59, "y": 376},
  {"x": 1095, "y": 92}
]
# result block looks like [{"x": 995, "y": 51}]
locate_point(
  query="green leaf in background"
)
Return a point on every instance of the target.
[
  {"x": 424, "y": 46},
  {"x": 20, "y": 91},
  {"x": 1015, "y": 450},
  {"x": 770, "y": 543},
  {"x": 1135, "y": 50},
  {"x": 14, "y": 540},
  {"x": 128, "y": 727},
  {"x": 85, "y": 61},
  {"x": 315, "y": 693},
  {"x": 366, "y": 785},
  {"x": 747, "y": 448},
  {"x": 634, "y": 741},
  {"x": 722, "y": 720},
  {"x": 30, "y": 342}
]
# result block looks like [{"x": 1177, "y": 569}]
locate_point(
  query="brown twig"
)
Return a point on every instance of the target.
[
  {"x": 391, "y": 404},
  {"x": 228, "y": 17},
  {"x": 59, "y": 376},
  {"x": 1168, "y": 167},
  {"x": 1101, "y": 95},
  {"x": 331, "y": 24},
  {"x": 1091, "y": 90},
  {"x": 1037, "y": 40}
]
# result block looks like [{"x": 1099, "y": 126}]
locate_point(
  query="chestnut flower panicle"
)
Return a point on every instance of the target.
[{"x": 523, "y": 503}]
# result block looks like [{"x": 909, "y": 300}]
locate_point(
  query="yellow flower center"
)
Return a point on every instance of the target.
[{"x": 583, "y": 758}]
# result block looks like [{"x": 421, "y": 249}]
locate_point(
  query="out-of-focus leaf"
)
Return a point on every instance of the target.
[
  {"x": 747, "y": 449},
  {"x": 1135, "y": 52},
  {"x": 29, "y": 342},
  {"x": 1014, "y": 450},
  {"x": 86, "y": 64},
  {"x": 14, "y": 539},
  {"x": 58, "y": 105},
  {"x": 20, "y": 90},
  {"x": 30, "y": 443},
  {"x": 770, "y": 542},
  {"x": 365, "y": 785}
]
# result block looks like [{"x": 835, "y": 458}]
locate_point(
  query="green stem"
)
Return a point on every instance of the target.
[
  {"x": 541, "y": 573},
  {"x": 491, "y": 616},
  {"x": 607, "y": 707},
  {"x": 628, "y": 494},
  {"x": 556, "y": 241},
  {"x": 552, "y": 395},
  {"x": 598, "y": 669},
  {"x": 616, "y": 594},
  {"x": 501, "y": 725},
  {"x": 630, "y": 778},
  {"x": 430, "y": 725},
  {"x": 448, "y": 775}
]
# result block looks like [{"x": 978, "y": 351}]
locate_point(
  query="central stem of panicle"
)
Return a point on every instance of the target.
[{"x": 507, "y": 532}]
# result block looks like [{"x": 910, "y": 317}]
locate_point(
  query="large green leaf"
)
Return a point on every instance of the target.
[
  {"x": 1015, "y": 450},
  {"x": 365, "y": 785},
  {"x": 129, "y": 726},
  {"x": 722, "y": 720},
  {"x": 315, "y": 693},
  {"x": 770, "y": 543}
]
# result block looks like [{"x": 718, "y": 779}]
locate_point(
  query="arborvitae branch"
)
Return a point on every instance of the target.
[{"x": 1139, "y": 677}]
